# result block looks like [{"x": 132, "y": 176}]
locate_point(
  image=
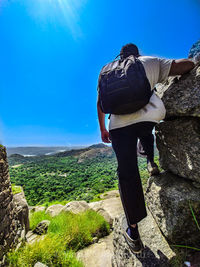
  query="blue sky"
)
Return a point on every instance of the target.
[{"x": 51, "y": 52}]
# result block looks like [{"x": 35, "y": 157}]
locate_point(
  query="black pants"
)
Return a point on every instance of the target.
[{"x": 124, "y": 143}]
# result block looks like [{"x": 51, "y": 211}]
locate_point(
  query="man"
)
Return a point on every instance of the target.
[{"x": 124, "y": 131}]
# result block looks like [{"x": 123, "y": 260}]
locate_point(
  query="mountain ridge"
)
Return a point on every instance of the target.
[{"x": 38, "y": 150}]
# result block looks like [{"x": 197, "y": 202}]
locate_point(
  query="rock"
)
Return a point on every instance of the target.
[
  {"x": 178, "y": 142},
  {"x": 54, "y": 210},
  {"x": 195, "y": 49},
  {"x": 169, "y": 198},
  {"x": 37, "y": 208},
  {"x": 76, "y": 206},
  {"x": 32, "y": 238},
  {"x": 156, "y": 253},
  {"x": 110, "y": 194},
  {"x": 96, "y": 205},
  {"x": 95, "y": 240},
  {"x": 106, "y": 215},
  {"x": 181, "y": 95},
  {"x": 39, "y": 264},
  {"x": 42, "y": 227},
  {"x": 13, "y": 212},
  {"x": 98, "y": 254},
  {"x": 22, "y": 210},
  {"x": 108, "y": 208}
]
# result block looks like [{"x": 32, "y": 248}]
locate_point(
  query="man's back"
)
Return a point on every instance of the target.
[{"x": 157, "y": 70}]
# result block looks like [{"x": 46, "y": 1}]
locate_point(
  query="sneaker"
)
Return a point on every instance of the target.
[
  {"x": 152, "y": 168},
  {"x": 136, "y": 246}
]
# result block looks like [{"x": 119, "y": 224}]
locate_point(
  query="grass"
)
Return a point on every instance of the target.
[
  {"x": 66, "y": 234},
  {"x": 16, "y": 189},
  {"x": 49, "y": 251},
  {"x": 80, "y": 229},
  {"x": 37, "y": 217}
]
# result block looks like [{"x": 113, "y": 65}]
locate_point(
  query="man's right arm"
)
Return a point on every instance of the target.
[
  {"x": 101, "y": 117},
  {"x": 181, "y": 66}
]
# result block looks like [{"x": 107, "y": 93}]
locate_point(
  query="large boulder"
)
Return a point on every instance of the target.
[
  {"x": 181, "y": 95},
  {"x": 171, "y": 200},
  {"x": 54, "y": 210},
  {"x": 22, "y": 210},
  {"x": 156, "y": 249},
  {"x": 76, "y": 206},
  {"x": 178, "y": 142},
  {"x": 108, "y": 208}
]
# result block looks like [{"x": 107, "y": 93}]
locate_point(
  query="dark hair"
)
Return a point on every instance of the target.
[{"x": 129, "y": 49}]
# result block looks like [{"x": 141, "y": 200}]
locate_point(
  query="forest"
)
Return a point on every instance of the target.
[{"x": 62, "y": 177}]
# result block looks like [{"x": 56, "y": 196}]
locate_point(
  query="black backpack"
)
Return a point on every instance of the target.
[{"x": 123, "y": 86}]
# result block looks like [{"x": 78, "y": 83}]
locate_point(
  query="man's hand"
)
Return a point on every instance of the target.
[
  {"x": 105, "y": 136},
  {"x": 196, "y": 59}
]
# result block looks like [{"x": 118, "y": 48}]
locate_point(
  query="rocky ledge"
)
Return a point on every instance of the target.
[{"x": 156, "y": 253}]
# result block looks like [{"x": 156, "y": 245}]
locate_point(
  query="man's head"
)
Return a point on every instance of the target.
[{"x": 129, "y": 49}]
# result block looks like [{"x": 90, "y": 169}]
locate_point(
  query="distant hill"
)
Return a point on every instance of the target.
[
  {"x": 97, "y": 150},
  {"x": 75, "y": 174},
  {"x": 39, "y": 151}
]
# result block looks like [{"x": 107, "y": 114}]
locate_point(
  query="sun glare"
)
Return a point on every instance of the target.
[{"x": 69, "y": 10}]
